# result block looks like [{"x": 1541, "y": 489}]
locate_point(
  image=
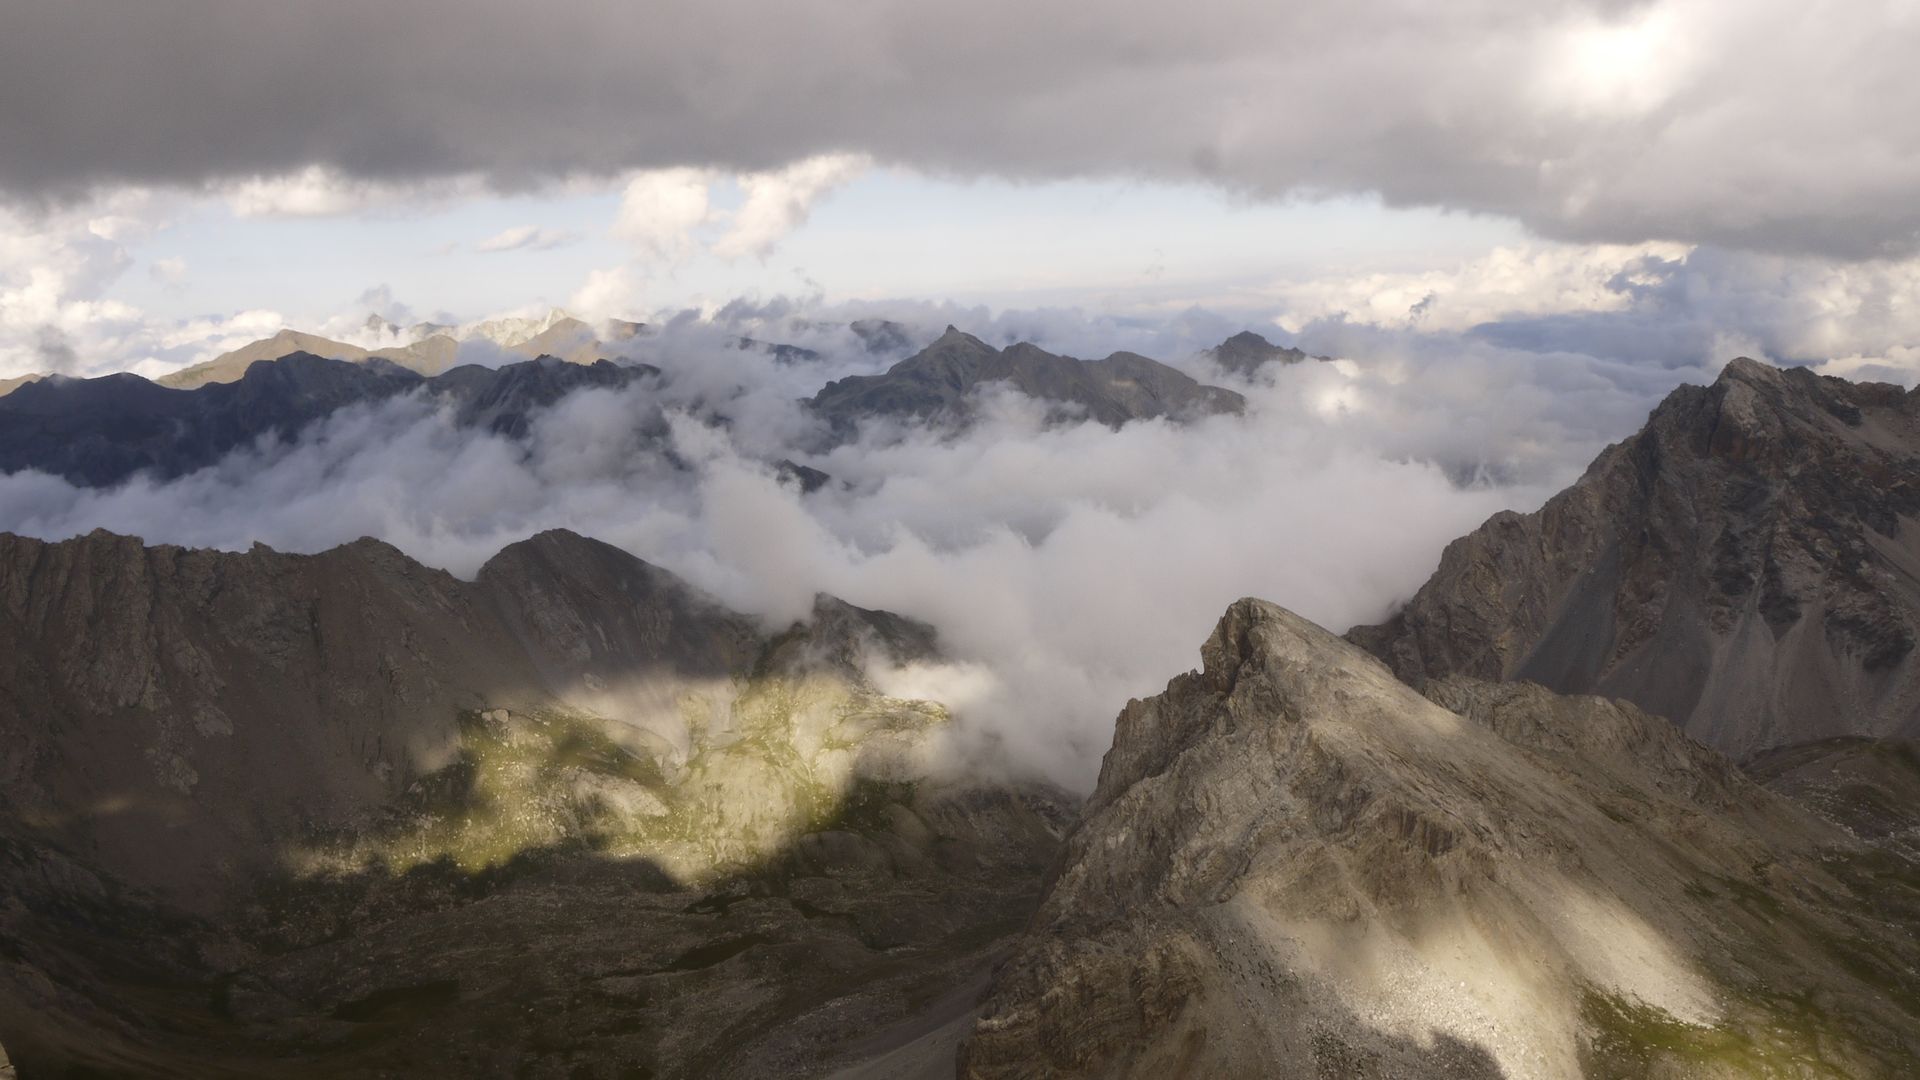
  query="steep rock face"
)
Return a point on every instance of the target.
[
  {"x": 1748, "y": 565},
  {"x": 936, "y": 383},
  {"x": 98, "y": 432},
  {"x": 1295, "y": 865},
  {"x": 342, "y": 814}
]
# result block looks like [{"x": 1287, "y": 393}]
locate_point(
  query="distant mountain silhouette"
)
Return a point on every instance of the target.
[
  {"x": 938, "y": 383},
  {"x": 97, "y": 432}
]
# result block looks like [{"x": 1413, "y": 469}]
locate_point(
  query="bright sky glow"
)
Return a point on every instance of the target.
[{"x": 887, "y": 234}]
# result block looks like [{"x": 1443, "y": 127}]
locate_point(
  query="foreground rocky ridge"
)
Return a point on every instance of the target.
[
  {"x": 1296, "y": 865},
  {"x": 1748, "y": 565},
  {"x": 343, "y": 814}
]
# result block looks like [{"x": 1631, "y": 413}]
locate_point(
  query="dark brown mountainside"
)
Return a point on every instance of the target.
[{"x": 342, "y": 814}]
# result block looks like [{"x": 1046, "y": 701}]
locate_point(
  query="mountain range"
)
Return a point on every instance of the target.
[
  {"x": 100, "y": 432},
  {"x": 342, "y": 814},
  {"x": 425, "y": 348},
  {"x": 431, "y": 348}
]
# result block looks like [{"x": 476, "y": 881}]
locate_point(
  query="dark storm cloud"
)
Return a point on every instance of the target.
[{"x": 1765, "y": 124}]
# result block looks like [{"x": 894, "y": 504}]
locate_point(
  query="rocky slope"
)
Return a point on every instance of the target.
[
  {"x": 1869, "y": 787},
  {"x": 343, "y": 815},
  {"x": 1748, "y": 565},
  {"x": 1295, "y": 865},
  {"x": 98, "y": 432},
  {"x": 937, "y": 385}
]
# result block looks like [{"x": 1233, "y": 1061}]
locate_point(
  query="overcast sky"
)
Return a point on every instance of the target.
[
  {"x": 1672, "y": 177},
  {"x": 1517, "y": 225}
]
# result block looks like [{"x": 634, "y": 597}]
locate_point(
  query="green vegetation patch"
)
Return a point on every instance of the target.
[
  {"x": 525, "y": 783},
  {"x": 1628, "y": 1039}
]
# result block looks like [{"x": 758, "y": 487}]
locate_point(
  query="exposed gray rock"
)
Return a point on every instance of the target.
[
  {"x": 937, "y": 385},
  {"x": 1748, "y": 566},
  {"x": 1295, "y": 865}
]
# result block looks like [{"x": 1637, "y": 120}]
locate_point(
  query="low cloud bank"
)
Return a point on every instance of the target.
[{"x": 1067, "y": 568}]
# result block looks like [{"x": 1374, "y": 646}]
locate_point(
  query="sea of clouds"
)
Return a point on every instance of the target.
[{"x": 1066, "y": 566}]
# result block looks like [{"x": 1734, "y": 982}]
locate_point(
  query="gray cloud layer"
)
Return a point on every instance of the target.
[{"x": 1770, "y": 124}]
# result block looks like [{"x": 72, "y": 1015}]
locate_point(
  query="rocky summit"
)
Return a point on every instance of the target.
[
  {"x": 1247, "y": 352},
  {"x": 1296, "y": 865},
  {"x": 345, "y": 815},
  {"x": 1747, "y": 565}
]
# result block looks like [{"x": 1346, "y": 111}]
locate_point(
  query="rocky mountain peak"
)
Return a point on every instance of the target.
[
  {"x": 1748, "y": 370},
  {"x": 954, "y": 339},
  {"x": 938, "y": 384},
  {"x": 1246, "y": 352},
  {"x": 1742, "y": 563},
  {"x": 1296, "y": 865}
]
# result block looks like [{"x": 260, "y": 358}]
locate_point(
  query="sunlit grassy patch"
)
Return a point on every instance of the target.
[{"x": 784, "y": 760}]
